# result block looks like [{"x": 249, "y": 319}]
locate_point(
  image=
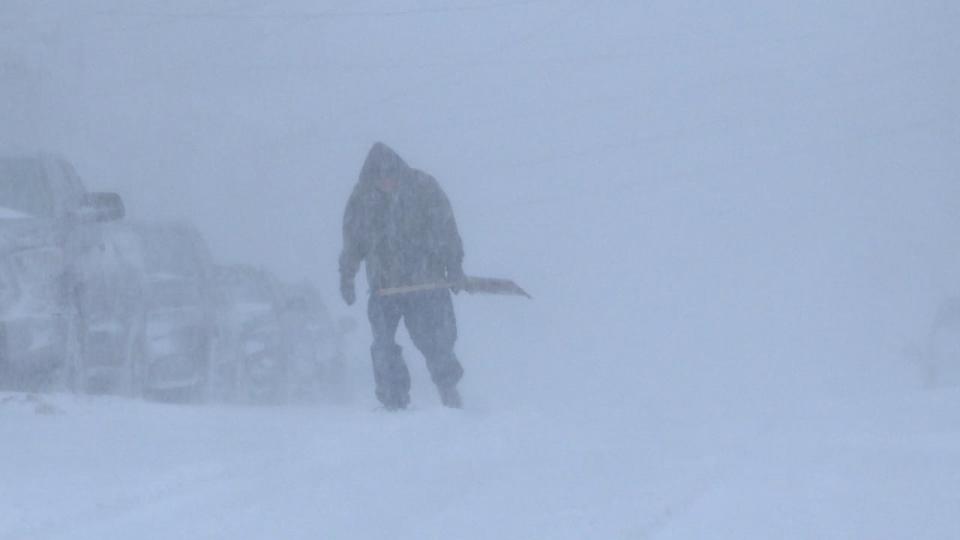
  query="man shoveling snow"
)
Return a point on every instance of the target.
[{"x": 400, "y": 223}]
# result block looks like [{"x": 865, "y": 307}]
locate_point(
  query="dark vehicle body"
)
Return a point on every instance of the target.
[
  {"x": 161, "y": 294},
  {"x": 180, "y": 320},
  {"x": 253, "y": 358},
  {"x": 113, "y": 302},
  {"x": 49, "y": 223}
]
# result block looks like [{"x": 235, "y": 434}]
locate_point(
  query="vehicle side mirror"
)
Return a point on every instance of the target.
[{"x": 101, "y": 208}]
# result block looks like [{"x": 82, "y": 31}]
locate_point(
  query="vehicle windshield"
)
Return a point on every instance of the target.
[{"x": 23, "y": 189}]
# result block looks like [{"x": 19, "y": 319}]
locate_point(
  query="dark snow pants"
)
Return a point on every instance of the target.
[{"x": 432, "y": 326}]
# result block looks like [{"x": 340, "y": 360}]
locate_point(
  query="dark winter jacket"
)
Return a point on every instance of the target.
[{"x": 406, "y": 237}]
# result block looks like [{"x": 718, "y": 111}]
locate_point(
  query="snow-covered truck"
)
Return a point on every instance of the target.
[{"x": 48, "y": 223}]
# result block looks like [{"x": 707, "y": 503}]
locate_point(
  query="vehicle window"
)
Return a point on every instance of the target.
[{"x": 24, "y": 189}]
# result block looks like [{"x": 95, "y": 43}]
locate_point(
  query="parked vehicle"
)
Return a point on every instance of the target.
[
  {"x": 314, "y": 343},
  {"x": 48, "y": 223},
  {"x": 253, "y": 359},
  {"x": 166, "y": 310},
  {"x": 112, "y": 307}
]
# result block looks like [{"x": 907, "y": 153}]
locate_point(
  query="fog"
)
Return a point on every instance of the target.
[{"x": 719, "y": 209}]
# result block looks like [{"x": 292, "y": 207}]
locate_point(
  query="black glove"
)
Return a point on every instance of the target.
[
  {"x": 347, "y": 290},
  {"x": 456, "y": 278}
]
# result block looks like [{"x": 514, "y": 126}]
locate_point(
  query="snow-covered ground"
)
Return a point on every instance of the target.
[{"x": 101, "y": 468}]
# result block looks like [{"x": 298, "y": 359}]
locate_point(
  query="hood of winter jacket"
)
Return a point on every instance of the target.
[{"x": 382, "y": 162}]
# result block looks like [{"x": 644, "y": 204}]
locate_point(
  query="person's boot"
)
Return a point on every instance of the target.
[
  {"x": 391, "y": 377},
  {"x": 450, "y": 397},
  {"x": 394, "y": 403}
]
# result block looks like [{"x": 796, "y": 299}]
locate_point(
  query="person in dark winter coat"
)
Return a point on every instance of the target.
[{"x": 399, "y": 222}]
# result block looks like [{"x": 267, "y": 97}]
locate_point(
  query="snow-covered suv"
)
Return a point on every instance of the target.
[
  {"x": 48, "y": 222},
  {"x": 176, "y": 309}
]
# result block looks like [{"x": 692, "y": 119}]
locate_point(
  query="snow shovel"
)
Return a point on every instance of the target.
[{"x": 471, "y": 285}]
